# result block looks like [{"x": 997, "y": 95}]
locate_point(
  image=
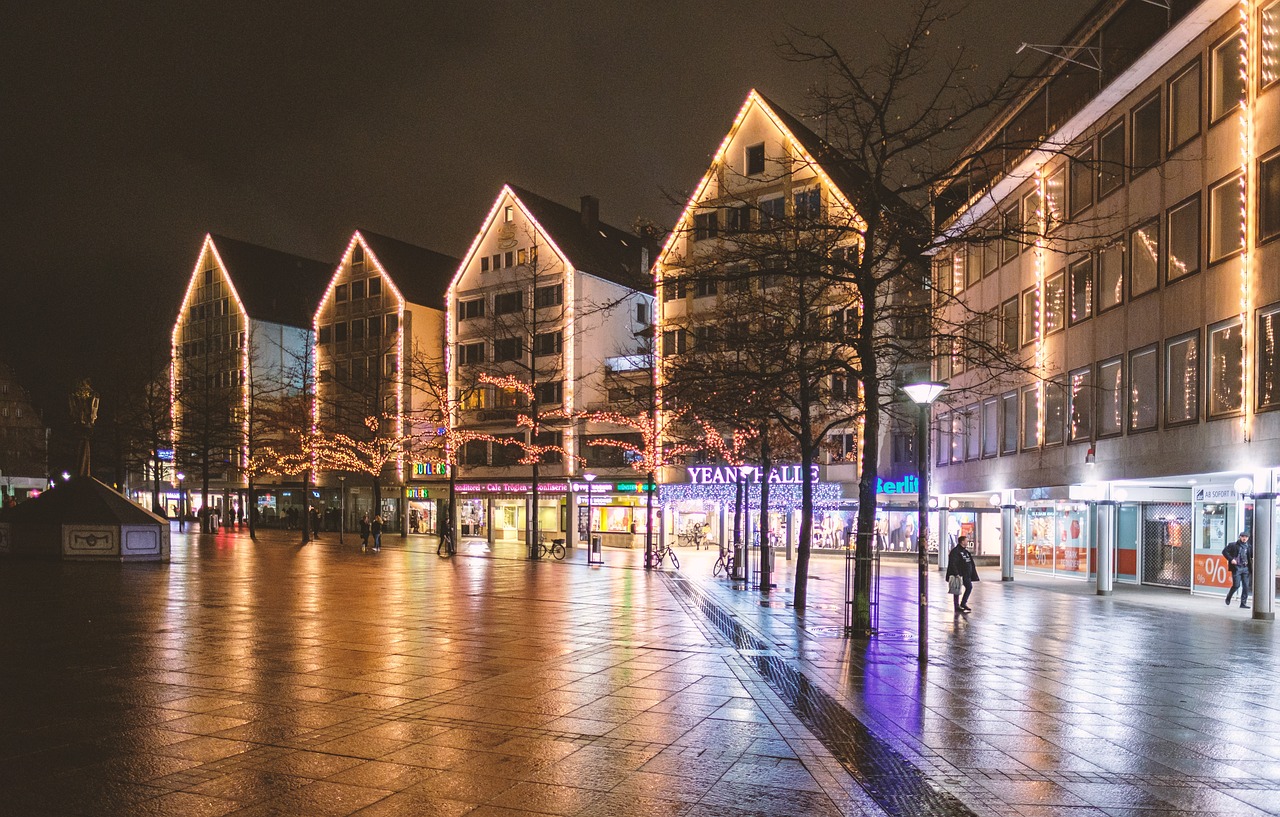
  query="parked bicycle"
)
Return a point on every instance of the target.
[
  {"x": 662, "y": 553},
  {"x": 556, "y": 548},
  {"x": 724, "y": 563}
]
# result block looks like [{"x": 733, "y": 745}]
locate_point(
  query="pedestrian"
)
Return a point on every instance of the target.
[
  {"x": 364, "y": 532},
  {"x": 376, "y": 530},
  {"x": 960, "y": 564},
  {"x": 1239, "y": 556},
  {"x": 315, "y": 521}
]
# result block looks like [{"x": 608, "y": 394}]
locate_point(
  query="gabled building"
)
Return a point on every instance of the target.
[
  {"x": 24, "y": 442},
  {"x": 557, "y": 299},
  {"x": 242, "y": 337},
  {"x": 379, "y": 333}
]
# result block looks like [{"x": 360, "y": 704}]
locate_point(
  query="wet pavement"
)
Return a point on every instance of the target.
[{"x": 270, "y": 678}]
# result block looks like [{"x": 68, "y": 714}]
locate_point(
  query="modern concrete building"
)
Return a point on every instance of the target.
[
  {"x": 562, "y": 303},
  {"x": 1145, "y": 166}
]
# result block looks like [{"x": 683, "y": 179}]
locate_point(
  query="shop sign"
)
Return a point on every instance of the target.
[
  {"x": 1215, "y": 493},
  {"x": 909, "y": 484},
  {"x": 633, "y": 487},
  {"x": 510, "y": 488},
  {"x": 419, "y": 493},
  {"x": 595, "y": 487},
  {"x": 430, "y": 469},
  {"x": 164, "y": 454},
  {"x": 729, "y": 474}
]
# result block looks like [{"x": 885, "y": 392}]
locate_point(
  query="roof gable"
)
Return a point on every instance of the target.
[{"x": 270, "y": 285}]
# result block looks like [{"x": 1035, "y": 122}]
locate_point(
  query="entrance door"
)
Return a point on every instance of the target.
[{"x": 1166, "y": 544}]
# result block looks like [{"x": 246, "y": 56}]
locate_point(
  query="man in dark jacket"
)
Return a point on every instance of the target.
[
  {"x": 960, "y": 562},
  {"x": 1239, "y": 556}
]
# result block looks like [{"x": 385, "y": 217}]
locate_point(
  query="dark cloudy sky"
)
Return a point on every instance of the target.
[{"x": 132, "y": 128}]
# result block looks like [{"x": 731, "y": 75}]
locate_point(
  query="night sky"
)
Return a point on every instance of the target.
[{"x": 132, "y": 128}]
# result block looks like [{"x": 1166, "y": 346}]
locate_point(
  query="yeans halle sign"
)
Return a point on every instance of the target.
[{"x": 730, "y": 475}]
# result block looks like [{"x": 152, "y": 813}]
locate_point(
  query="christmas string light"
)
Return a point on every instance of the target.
[{"x": 1247, "y": 68}]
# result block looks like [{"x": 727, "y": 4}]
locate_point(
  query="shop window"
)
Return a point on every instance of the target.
[
  {"x": 1111, "y": 160},
  {"x": 990, "y": 427},
  {"x": 1055, "y": 411},
  {"x": 1184, "y": 106},
  {"x": 1055, "y": 302},
  {"x": 1009, "y": 423},
  {"x": 1110, "y": 277},
  {"x": 1009, "y": 323},
  {"x": 1030, "y": 316},
  {"x": 1146, "y": 135},
  {"x": 1269, "y": 358},
  {"x": 1226, "y": 203},
  {"x": 1081, "y": 190},
  {"x": 1226, "y": 86},
  {"x": 1226, "y": 368},
  {"x": 1182, "y": 380},
  {"x": 1030, "y": 416},
  {"x": 1183, "y": 233},
  {"x": 1111, "y": 400},
  {"x": 1269, "y": 196},
  {"x": 1144, "y": 259},
  {"x": 1081, "y": 274},
  {"x": 1081, "y": 405},
  {"x": 942, "y": 445},
  {"x": 1144, "y": 388}
]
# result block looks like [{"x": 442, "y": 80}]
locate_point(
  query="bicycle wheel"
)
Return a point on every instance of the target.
[
  {"x": 557, "y": 550},
  {"x": 674, "y": 561},
  {"x": 718, "y": 567}
]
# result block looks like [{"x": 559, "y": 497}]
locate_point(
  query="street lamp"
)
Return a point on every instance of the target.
[
  {"x": 342, "y": 505},
  {"x": 182, "y": 503},
  {"x": 593, "y": 557},
  {"x": 923, "y": 394}
]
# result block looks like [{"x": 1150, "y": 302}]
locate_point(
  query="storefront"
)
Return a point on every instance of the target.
[{"x": 499, "y": 511}]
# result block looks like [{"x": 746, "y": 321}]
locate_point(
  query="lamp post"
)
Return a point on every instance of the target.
[
  {"x": 591, "y": 545},
  {"x": 923, "y": 395},
  {"x": 342, "y": 505},
  {"x": 182, "y": 503}
]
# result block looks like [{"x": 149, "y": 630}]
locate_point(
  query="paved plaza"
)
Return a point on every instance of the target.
[{"x": 273, "y": 678}]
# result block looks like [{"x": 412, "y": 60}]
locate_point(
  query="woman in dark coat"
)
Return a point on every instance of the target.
[{"x": 960, "y": 563}]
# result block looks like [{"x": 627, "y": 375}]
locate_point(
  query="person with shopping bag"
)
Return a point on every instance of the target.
[{"x": 962, "y": 572}]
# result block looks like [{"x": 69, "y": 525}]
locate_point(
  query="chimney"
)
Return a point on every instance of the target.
[{"x": 590, "y": 212}]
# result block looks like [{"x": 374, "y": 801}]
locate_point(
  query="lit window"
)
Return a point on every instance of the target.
[
  {"x": 1081, "y": 274},
  {"x": 1031, "y": 416},
  {"x": 1269, "y": 358},
  {"x": 1110, "y": 277},
  {"x": 1183, "y": 233},
  {"x": 1184, "y": 106},
  {"x": 522, "y": 257},
  {"x": 1227, "y": 85},
  {"x": 1226, "y": 203},
  {"x": 1055, "y": 411},
  {"x": 1081, "y": 408},
  {"x": 1009, "y": 423},
  {"x": 1144, "y": 374},
  {"x": 1226, "y": 368},
  {"x": 1182, "y": 380},
  {"x": 1055, "y": 190},
  {"x": 1144, "y": 259},
  {"x": 1055, "y": 302},
  {"x": 509, "y": 214},
  {"x": 1269, "y": 197},
  {"x": 1269, "y": 57},
  {"x": 1111, "y": 397}
]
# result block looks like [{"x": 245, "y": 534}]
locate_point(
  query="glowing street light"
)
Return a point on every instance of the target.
[{"x": 923, "y": 394}]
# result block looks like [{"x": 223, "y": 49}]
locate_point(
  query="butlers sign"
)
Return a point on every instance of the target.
[{"x": 750, "y": 474}]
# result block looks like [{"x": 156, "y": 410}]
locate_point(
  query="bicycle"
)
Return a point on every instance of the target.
[
  {"x": 724, "y": 563},
  {"x": 661, "y": 553},
  {"x": 556, "y": 548}
]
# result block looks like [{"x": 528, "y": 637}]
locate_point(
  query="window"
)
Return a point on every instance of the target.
[
  {"x": 546, "y": 343},
  {"x": 508, "y": 449},
  {"x": 340, "y": 293},
  {"x": 475, "y": 452},
  {"x": 1110, "y": 277},
  {"x": 1226, "y": 85},
  {"x": 1030, "y": 316},
  {"x": 704, "y": 287},
  {"x": 484, "y": 264},
  {"x": 497, "y": 261},
  {"x": 974, "y": 264},
  {"x": 551, "y": 394},
  {"x": 550, "y": 295},
  {"x": 1226, "y": 203},
  {"x": 1269, "y": 45},
  {"x": 470, "y": 353},
  {"x": 549, "y": 439},
  {"x": 1183, "y": 231},
  {"x": 208, "y": 277},
  {"x": 326, "y": 334},
  {"x": 706, "y": 225},
  {"x": 522, "y": 257},
  {"x": 808, "y": 203},
  {"x": 1055, "y": 411},
  {"x": 1269, "y": 194},
  {"x": 672, "y": 289},
  {"x": 990, "y": 427},
  {"x": 1011, "y": 242},
  {"x": 755, "y": 159},
  {"x": 357, "y": 329},
  {"x": 1081, "y": 274},
  {"x": 942, "y": 449},
  {"x": 973, "y": 433},
  {"x": 509, "y": 214},
  {"x": 374, "y": 326},
  {"x": 1055, "y": 191},
  {"x": 642, "y": 313},
  {"x": 1226, "y": 368},
  {"x": 393, "y": 323},
  {"x": 1184, "y": 106},
  {"x": 1111, "y": 397},
  {"x": 1146, "y": 135},
  {"x": 340, "y": 332},
  {"x": 772, "y": 211},
  {"x": 1182, "y": 380},
  {"x": 1009, "y": 323},
  {"x": 471, "y": 309},
  {"x": 375, "y": 287},
  {"x": 1080, "y": 410},
  {"x": 737, "y": 219},
  {"x": 507, "y": 349},
  {"x": 392, "y": 365},
  {"x": 505, "y": 303},
  {"x": 959, "y": 434},
  {"x": 1144, "y": 259},
  {"x": 944, "y": 278},
  {"x": 1081, "y": 190},
  {"x": 674, "y": 342},
  {"x": 1268, "y": 358},
  {"x": 508, "y": 259},
  {"x": 706, "y": 336},
  {"x": 1009, "y": 423},
  {"x": 357, "y": 290},
  {"x": 1144, "y": 386},
  {"x": 1111, "y": 160},
  {"x": 1055, "y": 302},
  {"x": 1031, "y": 416}
]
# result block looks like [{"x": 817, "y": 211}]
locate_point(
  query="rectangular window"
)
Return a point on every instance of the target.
[
  {"x": 1080, "y": 410},
  {"x": 1055, "y": 191},
  {"x": 1268, "y": 358},
  {"x": 374, "y": 326},
  {"x": 704, "y": 287},
  {"x": 522, "y": 257},
  {"x": 1031, "y": 416},
  {"x": 549, "y": 439},
  {"x": 755, "y": 159},
  {"x": 990, "y": 427},
  {"x": 1011, "y": 242},
  {"x": 974, "y": 264},
  {"x": 1226, "y": 203},
  {"x": 1269, "y": 195},
  {"x": 1184, "y": 106},
  {"x": 1144, "y": 388},
  {"x": 1110, "y": 277},
  {"x": 497, "y": 261},
  {"x": 547, "y": 343},
  {"x": 1226, "y": 368},
  {"x": 973, "y": 447},
  {"x": 942, "y": 450},
  {"x": 1146, "y": 135},
  {"x": 772, "y": 211},
  {"x": 1081, "y": 274},
  {"x": 737, "y": 219},
  {"x": 707, "y": 337},
  {"x": 1055, "y": 411},
  {"x": 550, "y": 295},
  {"x": 1111, "y": 397},
  {"x": 672, "y": 288},
  {"x": 642, "y": 313},
  {"x": 1269, "y": 45},
  {"x": 809, "y": 203},
  {"x": 475, "y": 452},
  {"x": 944, "y": 279},
  {"x": 471, "y": 309},
  {"x": 959, "y": 434},
  {"x": 1009, "y": 423},
  {"x": 357, "y": 290},
  {"x": 505, "y": 303},
  {"x": 340, "y": 293},
  {"x": 391, "y": 365},
  {"x": 508, "y": 449},
  {"x": 674, "y": 342},
  {"x": 1009, "y": 323},
  {"x": 971, "y": 267},
  {"x": 990, "y": 255},
  {"x": 706, "y": 225},
  {"x": 357, "y": 329},
  {"x": 393, "y": 323},
  {"x": 1030, "y": 316},
  {"x": 1111, "y": 160},
  {"x": 507, "y": 349},
  {"x": 551, "y": 394},
  {"x": 1081, "y": 190},
  {"x": 1144, "y": 259},
  {"x": 1226, "y": 86},
  {"x": 1182, "y": 380},
  {"x": 484, "y": 263},
  {"x": 471, "y": 353},
  {"x": 1183, "y": 231},
  {"x": 375, "y": 287},
  {"x": 508, "y": 259},
  {"x": 1055, "y": 302},
  {"x": 340, "y": 332},
  {"x": 326, "y": 334}
]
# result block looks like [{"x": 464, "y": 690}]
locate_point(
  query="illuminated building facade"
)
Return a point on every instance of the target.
[
  {"x": 24, "y": 442},
  {"x": 242, "y": 338},
  {"x": 561, "y": 302},
  {"x": 379, "y": 339},
  {"x": 1144, "y": 295}
]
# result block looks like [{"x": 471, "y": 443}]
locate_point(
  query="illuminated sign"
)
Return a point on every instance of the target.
[
  {"x": 729, "y": 474},
  {"x": 430, "y": 469},
  {"x": 419, "y": 493},
  {"x": 164, "y": 454},
  {"x": 909, "y": 484},
  {"x": 633, "y": 487}
]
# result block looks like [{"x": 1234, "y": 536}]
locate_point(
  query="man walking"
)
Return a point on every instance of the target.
[
  {"x": 961, "y": 564},
  {"x": 1239, "y": 556}
]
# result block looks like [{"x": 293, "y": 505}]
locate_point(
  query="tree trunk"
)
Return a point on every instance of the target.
[
  {"x": 306, "y": 506},
  {"x": 864, "y": 552},
  {"x": 156, "y": 505},
  {"x": 252, "y": 502},
  {"x": 806, "y": 528},
  {"x": 765, "y": 555},
  {"x": 739, "y": 552},
  {"x": 452, "y": 516}
]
